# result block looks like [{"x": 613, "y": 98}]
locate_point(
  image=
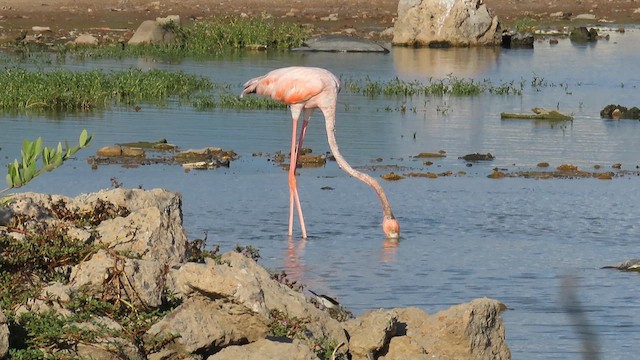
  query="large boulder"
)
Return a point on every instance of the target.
[
  {"x": 445, "y": 23},
  {"x": 467, "y": 331},
  {"x": 159, "y": 31}
]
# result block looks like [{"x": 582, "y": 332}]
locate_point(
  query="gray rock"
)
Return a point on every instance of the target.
[
  {"x": 629, "y": 265},
  {"x": 517, "y": 40},
  {"x": 582, "y": 34},
  {"x": 445, "y": 23},
  {"x": 266, "y": 350},
  {"x": 341, "y": 43},
  {"x": 86, "y": 39},
  {"x": 155, "y": 31},
  {"x": 585, "y": 17}
]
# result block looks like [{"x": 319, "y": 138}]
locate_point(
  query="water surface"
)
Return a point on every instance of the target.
[{"x": 464, "y": 236}]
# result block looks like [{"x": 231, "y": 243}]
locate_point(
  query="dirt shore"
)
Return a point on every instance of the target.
[{"x": 63, "y": 16}]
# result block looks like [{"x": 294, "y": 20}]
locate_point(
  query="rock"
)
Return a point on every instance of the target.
[
  {"x": 478, "y": 157},
  {"x": 154, "y": 32},
  {"x": 620, "y": 112},
  {"x": 516, "y": 40},
  {"x": 585, "y": 17},
  {"x": 206, "y": 325},
  {"x": 468, "y": 331},
  {"x": 4, "y": 335},
  {"x": 539, "y": 114},
  {"x": 243, "y": 281},
  {"x": 40, "y": 28},
  {"x": 370, "y": 333},
  {"x": 153, "y": 229},
  {"x": 86, "y": 39},
  {"x": 132, "y": 151},
  {"x": 109, "y": 151},
  {"x": 445, "y": 23},
  {"x": 629, "y": 265},
  {"x": 266, "y": 350},
  {"x": 139, "y": 282},
  {"x": 582, "y": 34},
  {"x": 341, "y": 43}
]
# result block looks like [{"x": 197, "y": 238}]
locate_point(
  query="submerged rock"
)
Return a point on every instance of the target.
[
  {"x": 629, "y": 265},
  {"x": 620, "y": 112},
  {"x": 478, "y": 157},
  {"x": 582, "y": 34},
  {"x": 516, "y": 40}
]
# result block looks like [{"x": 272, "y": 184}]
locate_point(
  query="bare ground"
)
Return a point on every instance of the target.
[{"x": 63, "y": 16}]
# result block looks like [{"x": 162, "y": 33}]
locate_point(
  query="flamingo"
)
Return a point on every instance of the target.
[{"x": 305, "y": 89}]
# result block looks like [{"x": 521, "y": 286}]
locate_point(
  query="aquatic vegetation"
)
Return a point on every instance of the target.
[
  {"x": 65, "y": 90},
  {"x": 227, "y": 100},
  {"x": 450, "y": 85}
]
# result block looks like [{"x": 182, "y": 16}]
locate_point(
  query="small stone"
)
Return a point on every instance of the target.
[{"x": 109, "y": 151}]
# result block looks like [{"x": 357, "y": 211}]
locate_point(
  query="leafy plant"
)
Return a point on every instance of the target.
[{"x": 21, "y": 172}]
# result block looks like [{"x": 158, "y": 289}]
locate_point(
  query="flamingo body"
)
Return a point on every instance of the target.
[{"x": 306, "y": 89}]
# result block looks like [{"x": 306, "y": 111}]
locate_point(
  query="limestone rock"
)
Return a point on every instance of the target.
[
  {"x": 155, "y": 31},
  {"x": 140, "y": 282},
  {"x": 86, "y": 39},
  {"x": 445, "y": 23},
  {"x": 153, "y": 229},
  {"x": 468, "y": 331},
  {"x": 266, "y": 350},
  {"x": 205, "y": 325},
  {"x": 243, "y": 281},
  {"x": 371, "y": 332}
]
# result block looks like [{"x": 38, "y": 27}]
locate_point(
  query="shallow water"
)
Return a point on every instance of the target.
[{"x": 464, "y": 237}]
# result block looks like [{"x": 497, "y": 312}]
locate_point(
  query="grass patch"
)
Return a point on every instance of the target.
[
  {"x": 65, "y": 90},
  {"x": 450, "y": 85},
  {"x": 204, "y": 39}
]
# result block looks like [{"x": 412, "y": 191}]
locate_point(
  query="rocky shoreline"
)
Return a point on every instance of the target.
[{"x": 222, "y": 306}]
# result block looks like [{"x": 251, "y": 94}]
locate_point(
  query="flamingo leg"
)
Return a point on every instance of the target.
[{"x": 294, "y": 198}]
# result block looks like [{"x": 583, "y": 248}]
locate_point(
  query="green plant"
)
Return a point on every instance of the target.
[
  {"x": 282, "y": 325},
  {"x": 249, "y": 251},
  {"x": 21, "y": 172}
]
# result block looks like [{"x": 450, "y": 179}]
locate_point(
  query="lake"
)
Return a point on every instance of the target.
[{"x": 463, "y": 236}]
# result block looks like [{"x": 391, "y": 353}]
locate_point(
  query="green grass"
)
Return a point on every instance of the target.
[
  {"x": 65, "y": 90},
  {"x": 450, "y": 85},
  {"x": 204, "y": 39}
]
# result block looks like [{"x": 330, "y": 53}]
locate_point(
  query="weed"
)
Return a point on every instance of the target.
[
  {"x": 282, "y": 325},
  {"x": 249, "y": 251}
]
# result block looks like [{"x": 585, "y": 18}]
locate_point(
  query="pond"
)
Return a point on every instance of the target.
[{"x": 464, "y": 236}]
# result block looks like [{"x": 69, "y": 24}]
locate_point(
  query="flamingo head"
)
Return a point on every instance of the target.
[{"x": 391, "y": 227}]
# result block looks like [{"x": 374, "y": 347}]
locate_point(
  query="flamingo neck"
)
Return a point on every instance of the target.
[{"x": 333, "y": 145}]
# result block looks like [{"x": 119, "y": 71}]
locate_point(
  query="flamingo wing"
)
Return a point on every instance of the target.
[{"x": 291, "y": 85}]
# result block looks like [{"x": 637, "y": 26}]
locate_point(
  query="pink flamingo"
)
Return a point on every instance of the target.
[{"x": 305, "y": 89}]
